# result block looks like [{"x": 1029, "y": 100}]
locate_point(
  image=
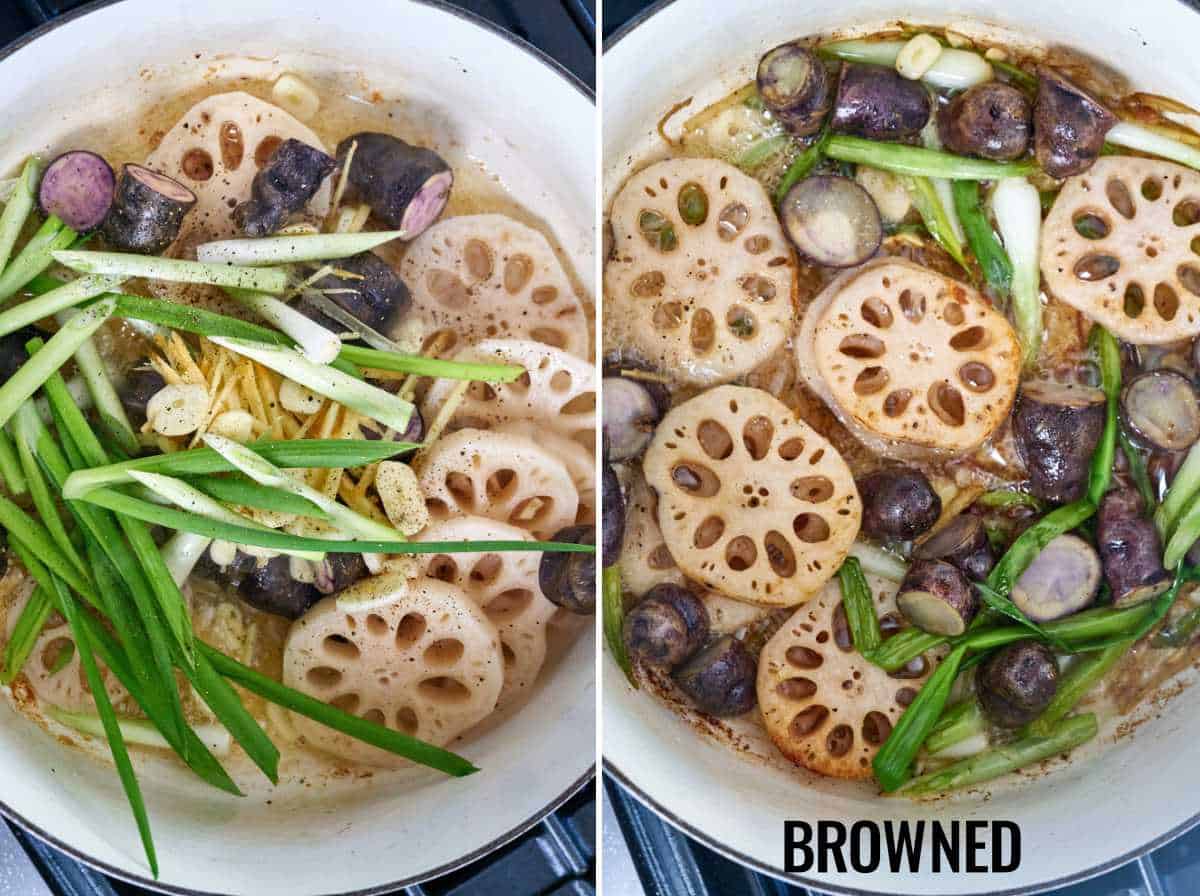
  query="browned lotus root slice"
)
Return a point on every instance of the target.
[
  {"x": 1118, "y": 247},
  {"x": 753, "y": 502},
  {"x": 478, "y": 277},
  {"x": 908, "y": 359},
  {"x": 502, "y": 476},
  {"x": 505, "y": 586},
  {"x": 823, "y": 705},
  {"x": 557, "y": 391},
  {"x": 420, "y": 657},
  {"x": 54, "y": 670},
  {"x": 707, "y": 301}
]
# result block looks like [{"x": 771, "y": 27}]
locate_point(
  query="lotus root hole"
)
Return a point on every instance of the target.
[
  {"x": 876, "y": 727},
  {"x": 947, "y": 403},
  {"x": 198, "y": 164},
  {"x": 1091, "y": 226},
  {"x": 347, "y": 702},
  {"x": 509, "y": 604},
  {"x": 862, "y": 345},
  {"x": 444, "y": 652},
  {"x": 518, "y": 271},
  {"x": 323, "y": 677},
  {"x": 953, "y": 314},
  {"x": 1166, "y": 301},
  {"x": 583, "y": 403},
  {"x": 660, "y": 558},
  {"x": 740, "y": 553},
  {"x": 758, "y": 244},
  {"x": 1135, "y": 300},
  {"x": 759, "y": 288},
  {"x": 648, "y": 285},
  {"x": 808, "y": 720},
  {"x": 477, "y": 256},
  {"x": 233, "y": 149},
  {"x": 780, "y": 554},
  {"x": 876, "y": 313},
  {"x": 871, "y": 380},
  {"x": 1189, "y": 278},
  {"x": 791, "y": 449},
  {"x": 708, "y": 533},
  {"x": 410, "y": 630},
  {"x": 668, "y": 315},
  {"x": 448, "y": 288},
  {"x": 732, "y": 221},
  {"x": 340, "y": 647},
  {"x": 912, "y": 305},
  {"x": 57, "y": 653},
  {"x": 969, "y": 340},
  {"x": 444, "y": 690},
  {"x": 1096, "y": 266},
  {"x": 798, "y": 688},
  {"x": 803, "y": 657},
  {"x": 487, "y": 568},
  {"x": 810, "y": 528},
  {"x": 695, "y": 479},
  {"x": 549, "y": 336},
  {"x": 265, "y": 149},
  {"x": 896, "y": 402},
  {"x": 839, "y": 741},
  {"x": 1151, "y": 189},
  {"x": 544, "y": 295},
  {"x": 704, "y": 331},
  {"x": 1120, "y": 198},
  {"x": 375, "y": 717},
  {"x": 812, "y": 489},
  {"x": 406, "y": 720},
  {"x": 714, "y": 439},
  {"x": 976, "y": 376},
  {"x": 757, "y": 435},
  {"x": 1186, "y": 213}
]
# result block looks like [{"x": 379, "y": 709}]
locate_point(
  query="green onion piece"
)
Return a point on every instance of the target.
[
  {"x": 760, "y": 150},
  {"x": 452, "y": 370},
  {"x": 62, "y": 345},
  {"x": 1186, "y": 534},
  {"x": 960, "y": 722},
  {"x": 1000, "y": 760},
  {"x": 25, "y": 634},
  {"x": 59, "y": 298},
  {"x": 1018, "y": 212},
  {"x": 1109, "y": 356},
  {"x": 369, "y": 400},
  {"x": 1183, "y": 491},
  {"x": 859, "y": 606},
  {"x": 43, "y": 501},
  {"x": 1143, "y": 139},
  {"x": 919, "y": 162},
  {"x": 18, "y": 207},
  {"x": 10, "y": 466},
  {"x": 317, "y": 343},
  {"x": 36, "y": 256},
  {"x": 37, "y": 539},
  {"x": 1084, "y": 675},
  {"x": 216, "y": 693},
  {"x": 954, "y": 69},
  {"x": 293, "y": 249},
  {"x": 1137, "y": 469},
  {"x": 904, "y": 647},
  {"x": 1002, "y": 604},
  {"x": 360, "y": 729},
  {"x": 139, "y": 731},
  {"x": 893, "y": 763},
  {"x": 613, "y": 609},
  {"x": 985, "y": 245},
  {"x": 1000, "y": 499},
  {"x": 802, "y": 166},
  {"x": 244, "y": 492},
  {"x": 107, "y": 403},
  {"x": 173, "y": 270},
  {"x": 301, "y": 453},
  {"x": 181, "y": 552},
  {"x": 191, "y": 319},
  {"x": 936, "y": 217}
]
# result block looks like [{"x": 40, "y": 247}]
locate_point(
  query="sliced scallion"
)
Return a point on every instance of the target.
[
  {"x": 293, "y": 249},
  {"x": 174, "y": 270}
]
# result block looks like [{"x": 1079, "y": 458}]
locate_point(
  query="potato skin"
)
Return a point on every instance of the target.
[
  {"x": 666, "y": 627},
  {"x": 801, "y": 108},
  {"x": 1017, "y": 683},
  {"x": 874, "y": 101},
  {"x": 1057, "y": 429},
  {"x": 1069, "y": 125},
  {"x": 991, "y": 120},
  {"x": 963, "y": 542},
  {"x": 1130, "y": 549},
  {"x": 898, "y": 502},
  {"x": 946, "y": 584},
  {"x": 721, "y": 678}
]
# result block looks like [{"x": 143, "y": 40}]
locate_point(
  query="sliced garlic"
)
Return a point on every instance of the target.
[
  {"x": 296, "y": 97},
  {"x": 403, "y": 500},
  {"x": 298, "y": 399},
  {"x": 177, "y": 410},
  {"x": 918, "y": 56},
  {"x": 222, "y": 553},
  {"x": 235, "y": 425}
]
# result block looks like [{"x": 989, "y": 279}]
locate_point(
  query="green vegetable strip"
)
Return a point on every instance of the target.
[
  {"x": 904, "y": 647},
  {"x": 613, "y": 609},
  {"x": 112, "y": 728},
  {"x": 43, "y": 501},
  {"x": 1184, "y": 488},
  {"x": 20, "y": 526},
  {"x": 893, "y": 762},
  {"x": 1137, "y": 469},
  {"x": 802, "y": 166},
  {"x": 985, "y": 245},
  {"x": 59, "y": 297},
  {"x": 62, "y": 345},
  {"x": 108, "y": 404},
  {"x": 761, "y": 150},
  {"x": 1002, "y": 604},
  {"x": 933, "y": 213},
  {"x": 294, "y": 249},
  {"x": 1000, "y": 760},
  {"x": 454, "y": 370},
  {"x": 1186, "y": 534},
  {"x": 18, "y": 207},
  {"x": 36, "y": 256},
  {"x": 325, "y": 714},
  {"x": 127, "y": 506},
  {"x": 1180, "y": 632},
  {"x": 1018, "y": 76},
  {"x": 243, "y": 492},
  {"x": 1033, "y": 540},
  {"x": 1108, "y": 354},
  {"x": 174, "y": 270},
  {"x": 1087, "y": 672},
  {"x": 25, "y": 634},
  {"x": 10, "y": 466},
  {"x": 224, "y": 703},
  {"x": 1000, "y": 499},
  {"x": 859, "y": 607},
  {"x": 919, "y": 162},
  {"x": 960, "y": 722},
  {"x": 302, "y": 453}
]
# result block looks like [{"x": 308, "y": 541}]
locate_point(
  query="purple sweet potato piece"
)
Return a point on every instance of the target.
[{"x": 78, "y": 187}]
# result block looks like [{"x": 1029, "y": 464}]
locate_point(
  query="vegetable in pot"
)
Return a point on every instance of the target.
[
  {"x": 407, "y": 186},
  {"x": 898, "y": 502},
  {"x": 832, "y": 220},
  {"x": 876, "y": 102},
  {"x": 1069, "y": 125},
  {"x": 666, "y": 626},
  {"x": 796, "y": 87},
  {"x": 720, "y": 679},
  {"x": 631, "y": 411},
  {"x": 991, "y": 120},
  {"x": 147, "y": 212},
  {"x": 1130, "y": 549},
  {"x": 1061, "y": 580},
  {"x": 1016, "y": 683},
  {"x": 936, "y": 597},
  {"x": 1162, "y": 410},
  {"x": 271, "y": 588},
  {"x": 1057, "y": 427},
  {"x": 963, "y": 542},
  {"x": 613, "y": 521},
  {"x": 569, "y": 579},
  {"x": 284, "y": 185},
  {"x": 375, "y": 294},
  {"x": 78, "y": 188}
]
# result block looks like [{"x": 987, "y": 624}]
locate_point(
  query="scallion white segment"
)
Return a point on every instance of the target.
[
  {"x": 876, "y": 561},
  {"x": 1017, "y": 208},
  {"x": 16, "y": 212},
  {"x": 293, "y": 249},
  {"x": 1143, "y": 139},
  {"x": 316, "y": 343},
  {"x": 355, "y": 394},
  {"x": 191, "y": 499},
  {"x": 265, "y": 473},
  {"x": 174, "y": 270},
  {"x": 953, "y": 70},
  {"x": 1184, "y": 488},
  {"x": 182, "y": 552},
  {"x": 51, "y": 303},
  {"x": 140, "y": 731}
]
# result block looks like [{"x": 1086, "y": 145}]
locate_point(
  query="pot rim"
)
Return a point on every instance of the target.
[
  {"x": 513, "y": 833},
  {"x": 622, "y": 778}
]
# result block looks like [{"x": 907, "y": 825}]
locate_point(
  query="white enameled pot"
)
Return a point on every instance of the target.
[
  {"x": 1119, "y": 797},
  {"x": 497, "y": 102}
]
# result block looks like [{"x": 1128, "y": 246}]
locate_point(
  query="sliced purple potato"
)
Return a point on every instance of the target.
[
  {"x": 1061, "y": 580},
  {"x": 962, "y": 542},
  {"x": 568, "y": 580},
  {"x": 1130, "y": 549},
  {"x": 898, "y": 503},
  {"x": 666, "y": 627},
  {"x": 291, "y": 177},
  {"x": 147, "y": 212},
  {"x": 1017, "y": 683},
  {"x": 1069, "y": 125},
  {"x": 373, "y": 293},
  {"x": 832, "y": 220},
  {"x": 78, "y": 187},
  {"x": 936, "y": 597},
  {"x": 1057, "y": 427},
  {"x": 720, "y": 679},
  {"x": 991, "y": 120},
  {"x": 407, "y": 186},
  {"x": 796, "y": 87},
  {"x": 1162, "y": 410},
  {"x": 631, "y": 411},
  {"x": 876, "y": 102}
]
